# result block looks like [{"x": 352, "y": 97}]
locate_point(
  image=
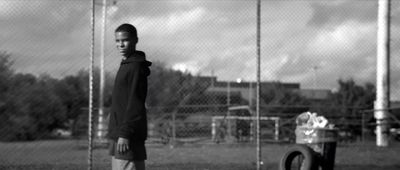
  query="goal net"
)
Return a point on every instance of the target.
[{"x": 243, "y": 128}]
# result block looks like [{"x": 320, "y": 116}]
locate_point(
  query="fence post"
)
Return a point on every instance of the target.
[
  {"x": 362, "y": 126},
  {"x": 276, "y": 129},
  {"x": 90, "y": 119},
  {"x": 258, "y": 83},
  {"x": 213, "y": 129},
  {"x": 173, "y": 129}
]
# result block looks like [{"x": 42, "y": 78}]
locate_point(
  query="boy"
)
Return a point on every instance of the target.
[{"x": 128, "y": 121}]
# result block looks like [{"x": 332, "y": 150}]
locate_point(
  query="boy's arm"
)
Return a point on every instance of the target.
[
  {"x": 135, "y": 107},
  {"x": 122, "y": 145}
]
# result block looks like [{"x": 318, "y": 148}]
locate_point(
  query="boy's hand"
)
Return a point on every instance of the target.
[{"x": 122, "y": 145}]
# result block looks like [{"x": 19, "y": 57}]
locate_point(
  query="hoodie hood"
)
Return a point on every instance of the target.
[
  {"x": 135, "y": 57},
  {"x": 139, "y": 56}
]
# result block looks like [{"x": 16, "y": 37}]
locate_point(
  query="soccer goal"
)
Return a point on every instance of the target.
[{"x": 243, "y": 128}]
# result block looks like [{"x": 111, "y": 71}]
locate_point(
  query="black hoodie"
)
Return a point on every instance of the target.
[{"x": 128, "y": 112}]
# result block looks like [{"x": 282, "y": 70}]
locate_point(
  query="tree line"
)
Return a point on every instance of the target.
[{"x": 32, "y": 107}]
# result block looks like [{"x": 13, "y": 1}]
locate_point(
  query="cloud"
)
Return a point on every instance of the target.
[
  {"x": 163, "y": 37},
  {"x": 169, "y": 24},
  {"x": 42, "y": 38},
  {"x": 343, "y": 38},
  {"x": 10, "y": 9},
  {"x": 205, "y": 36},
  {"x": 335, "y": 12},
  {"x": 190, "y": 67},
  {"x": 344, "y": 51}
]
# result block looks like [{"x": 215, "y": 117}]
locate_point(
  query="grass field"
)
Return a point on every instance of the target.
[{"x": 71, "y": 155}]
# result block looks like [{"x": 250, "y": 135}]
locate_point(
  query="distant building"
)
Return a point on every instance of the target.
[
  {"x": 395, "y": 108},
  {"x": 315, "y": 94},
  {"x": 395, "y": 104},
  {"x": 247, "y": 90}
]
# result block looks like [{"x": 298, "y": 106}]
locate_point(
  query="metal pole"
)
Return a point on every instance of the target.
[
  {"x": 259, "y": 162},
  {"x": 228, "y": 103},
  {"x": 362, "y": 126},
  {"x": 90, "y": 119},
  {"x": 100, "y": 127},
  {"x": 315, "y": 68},
  {"x": 382, "y": 74},
  {"x": 173, "y": 142},
  {"x": 250, "y": 94},
  {"x": 213, "y": 129},
  {"x": 276, "y": 130}
]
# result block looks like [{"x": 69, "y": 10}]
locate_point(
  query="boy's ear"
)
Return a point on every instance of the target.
[{"x": 136, "y": 40}]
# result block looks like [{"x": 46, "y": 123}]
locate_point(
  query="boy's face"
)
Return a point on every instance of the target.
[{"x": 126, "y": 44}]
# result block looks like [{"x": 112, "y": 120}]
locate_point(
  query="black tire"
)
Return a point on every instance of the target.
[{"x": 308, "y": 163}]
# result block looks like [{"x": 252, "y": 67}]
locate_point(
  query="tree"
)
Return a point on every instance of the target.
[
  {"x": 167, "y": 87},
  {"x": 5, "y": 76},
  {"x": 29, "y": 108},
  {"x": 175, "y": 91},
  {"x": 345, "y": 106},
  {"x": 73, "y": 93},
  {"x": 283, "y": 100},
  {"x": 350, "y": 97},
  {"x": 33, "y": 110}
]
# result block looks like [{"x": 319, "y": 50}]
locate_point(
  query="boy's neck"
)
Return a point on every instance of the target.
[{"x": 129, "y": 55}]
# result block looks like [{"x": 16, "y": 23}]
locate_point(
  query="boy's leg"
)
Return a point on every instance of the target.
[
  {"x": 139, "y": 165},
  {"x": 120, "y": 164}
]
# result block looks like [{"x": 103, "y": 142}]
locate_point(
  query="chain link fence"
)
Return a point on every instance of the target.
[{"x": 316, "y": 56}]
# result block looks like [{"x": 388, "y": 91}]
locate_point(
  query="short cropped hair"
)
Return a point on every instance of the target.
[{"x": 129, "y": 28}]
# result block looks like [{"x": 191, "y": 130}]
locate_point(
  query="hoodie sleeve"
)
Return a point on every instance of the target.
[{"x": 135, "y": 108}]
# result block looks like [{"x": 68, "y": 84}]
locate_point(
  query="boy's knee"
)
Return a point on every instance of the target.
[{"x": 139, "y": 165}]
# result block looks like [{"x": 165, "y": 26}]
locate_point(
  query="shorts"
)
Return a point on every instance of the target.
[{"x": 137, "y": 151}]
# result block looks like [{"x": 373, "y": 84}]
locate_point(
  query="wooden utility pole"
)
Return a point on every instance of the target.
[{"x": 382, "y": 74}]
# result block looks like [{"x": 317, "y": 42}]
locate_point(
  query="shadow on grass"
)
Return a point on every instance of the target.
[
  {"x": 367, "y": 167},
  {"x": 189, "y": 166}
]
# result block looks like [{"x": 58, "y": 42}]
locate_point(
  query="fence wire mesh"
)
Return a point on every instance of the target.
[{"x": 317, "y": 56}]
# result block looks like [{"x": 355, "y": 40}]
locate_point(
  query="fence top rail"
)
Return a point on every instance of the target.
[
  {"x": 386, "y": 109},
  {"x": 245, "y": 117}
]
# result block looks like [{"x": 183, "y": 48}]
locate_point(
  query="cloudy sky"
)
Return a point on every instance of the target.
[{"x": 311, "y": 42}]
